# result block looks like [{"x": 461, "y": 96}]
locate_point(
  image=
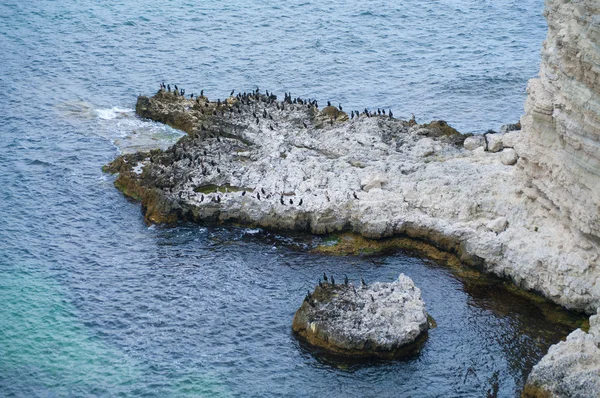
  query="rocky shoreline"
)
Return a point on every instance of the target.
[
  {"x": 523, "y": 205},
  {"x": 381, "y": 320}
]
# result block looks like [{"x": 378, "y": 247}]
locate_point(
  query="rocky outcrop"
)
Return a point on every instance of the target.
[
  {"x": 560, "y": 151},
  {"x": 261, "y": 162},
  {"x": 570, "y": 369},
  {"x": 384, "y": 320}
]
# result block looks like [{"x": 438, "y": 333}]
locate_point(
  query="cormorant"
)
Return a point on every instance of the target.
[
  {"x": 378, "y": 111},
  {"x": 271, "y": 127},
  {"x": 362, "y": 282},
  {"x": 300, "y": 203},
  {"x": 168, "y": 87},
  {"x": 390, "y": 114},
  {"x": 354, "y": 193},
  {"x": 202, "y": 198},
  {"x": 202, "y": 93},
  {"x": 218, "y": 199},
  {"x": 372, "y": 299},
  {"x": 305, "y": 125},
  {"x": 232, "y": 91},
  {"x": 281, "y": 200},
  {"x": 258, "y": 195},
  {"x": 291, "y": 201},
  {"x": 243, "y": 193},
  {"x": 346, "y": 280},
  {"x": 328, "y": 103},
  {"x": 263, "y": 191},
  {"x": 383, "y": 111},
  {"x": 352, "y": 115},
  {"x": 324, "y": 276},
  {"x": 340, "y": 106},
  {"x": 332, "y": 281},
  {"x": 176, "y": 89}
]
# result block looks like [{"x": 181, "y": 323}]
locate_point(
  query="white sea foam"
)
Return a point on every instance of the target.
[{"x": 113, "y": 113}]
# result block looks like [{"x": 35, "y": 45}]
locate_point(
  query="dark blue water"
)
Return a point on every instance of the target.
[{"x": 94, "y": 303}]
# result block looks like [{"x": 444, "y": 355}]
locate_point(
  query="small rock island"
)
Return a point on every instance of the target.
[{"x": 383, "y": 320}]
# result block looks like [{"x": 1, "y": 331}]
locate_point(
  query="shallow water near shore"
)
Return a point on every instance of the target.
[{"x": 96, "y": 303}]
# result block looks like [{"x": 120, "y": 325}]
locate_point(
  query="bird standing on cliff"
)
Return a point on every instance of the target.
[
  {"x": 332, "y": 281},
  {"x": 355, "y": 196},
  {"x": 324, "y": 276},
  {"x": 362, "y": 282},
  {"x": 300, "y": 203},
  {"x": 346, "y": 280},
  {"x": 231, "y": 94}
]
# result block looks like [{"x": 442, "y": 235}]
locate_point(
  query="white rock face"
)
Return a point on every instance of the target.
[
  {"x": 380, "y": 317},
  {"x": 560, "y": 149},
  {"x": 571, "y": 368}
]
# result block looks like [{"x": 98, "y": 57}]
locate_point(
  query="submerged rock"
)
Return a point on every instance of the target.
[
  {"x": 570, "y": 369},
  {"x": 383, "y": 320}
]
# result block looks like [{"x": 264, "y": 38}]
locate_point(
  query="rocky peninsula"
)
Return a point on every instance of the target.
[
  {"x": 523, "y": 205},
  {"x": 384, "y": 320}
]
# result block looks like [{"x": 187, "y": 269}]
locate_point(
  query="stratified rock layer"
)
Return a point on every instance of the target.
[
  {"x": 560, "y": 151},
  {"x": 379, "y": 320},
  {"x": 571, "y": 369}
]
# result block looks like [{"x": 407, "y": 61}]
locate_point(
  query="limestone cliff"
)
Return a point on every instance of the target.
[{"x": 560, "y": 151}]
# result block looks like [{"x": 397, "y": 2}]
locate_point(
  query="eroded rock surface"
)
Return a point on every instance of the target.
[
  {"x": 378, "y": 320},
  {"x": 571, "y": 368},
  {"x": 294, "y": 167}
]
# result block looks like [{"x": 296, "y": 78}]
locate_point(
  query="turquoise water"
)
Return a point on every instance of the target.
[{"x": 95, "y": 303}]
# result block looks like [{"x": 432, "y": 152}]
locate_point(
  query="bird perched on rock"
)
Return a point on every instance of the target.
[
  {"x": 332, "y": 281},
  {"x": 258, "y": 195},
  {"x": 232, "y": 91},
  {"x": 362, "y": 282},
  {"x": 346, "y": 280},
  {"x": 340, "y": 106},
  {"x": 291, "y": 201},
  {"x": 324, "y": 276},
  {"x": 355, "y": 196},
  {"x": 243, "y": 193},
  {"x": 300, "y": 203},
  {"x": 281, "y": 200}
]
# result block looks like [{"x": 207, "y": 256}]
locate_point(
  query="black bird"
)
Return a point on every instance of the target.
[
  {"x": 176, "y": 89},
  {"x": 202, "y": 198},
  {"x": 328, "y": 103},
  {"x": 340, "y": 106},
  {"x": 232, "y": 91},
  {"x": 324, "y": 276},
  {"x": 263, "y": 191},
  {"x": 218, "y": 199},
  {"x": 372, "y": 299},
  {"x": 182, "y": 92},
  {"x": 390, "y": 114},
  {"x": 218, "y": 170},
  {"x": 378, "y": 111},
  {"x": 332, "y": 281},
  {"x": 258, "y": 195},
  {"x": 354, "y": 193},
  {"x": 305, "y": 125},
  {"x": 281, "y": 200},
  {"x": 192, "y": 95},
  {"x": 383, "y": 111},
  {"x": 362, "y": 282},
  {"x": 271, "y": 127},
  {"x": 352, "y": 115},
  {"x": 300, "y": 203},
  {"x": 168, "y": 87},
  {"x": 265, "y": 114},
  {"x": 202, "y": 93},
  {"x": 291, "y": 202},
  {"x": 346, "y": 280},
  {"x": 243, "y": 193}
]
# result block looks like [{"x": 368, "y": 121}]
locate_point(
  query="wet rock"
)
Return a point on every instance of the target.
[
  {"x": 383, "y": 320},
  {"x": 570, "y": 369}
]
